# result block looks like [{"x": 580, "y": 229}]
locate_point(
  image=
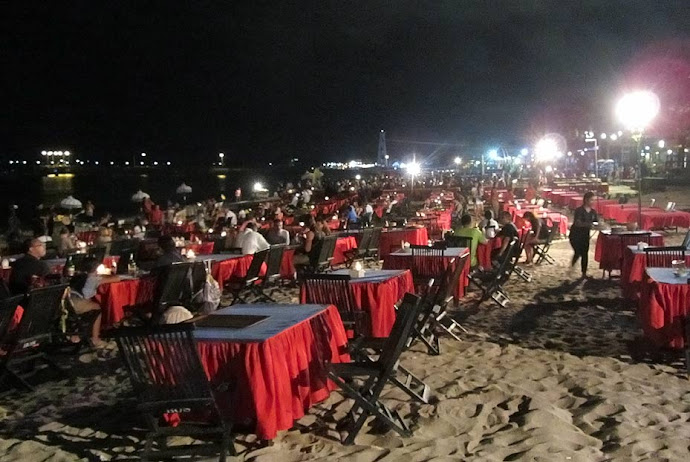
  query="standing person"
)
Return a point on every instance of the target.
[{"x": 584, "y": 220}]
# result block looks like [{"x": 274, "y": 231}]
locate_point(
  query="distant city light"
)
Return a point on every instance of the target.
[
  {"x": 67, "y": 153},
  {"x": 167, "y": 163},
  {"x": 524, "y": 151},
  {"x": 546, "y": 148},
  {"x": 662, "y": 144},
  {"x": 493, "y": 154},
  {"x": 141, "y": 163},
  {"x": 143, "y": 154},
  {"x": 457, "y": 161},
  {"x": 358, "y": 177},
  {"x": 221, "y": 155},
  {"x": 670, "y": 151},
  {"x": 613, "y": 137},
  {"x": 126, "y": 162},
  {"x": 43, "y": 153},
  {"x": 603, "y": 136},
  {"x": 413, "y": 168}
]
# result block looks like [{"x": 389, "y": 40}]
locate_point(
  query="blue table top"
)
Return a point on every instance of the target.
[
  {"x": 449, "y": 252},
  {"x": 280, "y": 318},
  {"x": 666, "y": 276},
  {"x": 371, "y": 275}
]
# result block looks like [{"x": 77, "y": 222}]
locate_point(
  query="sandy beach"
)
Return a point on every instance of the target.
[{"x": 561, "y": 374}]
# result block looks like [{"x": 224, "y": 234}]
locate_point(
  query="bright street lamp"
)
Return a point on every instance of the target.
[
  {"x": 662, "y": 144},
  {"x": 457, "y": 161},
  {"x": 635, "y": 111}
]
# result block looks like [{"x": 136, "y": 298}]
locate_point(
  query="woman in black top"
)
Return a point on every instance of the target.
[{"x": 585, "y": 218}]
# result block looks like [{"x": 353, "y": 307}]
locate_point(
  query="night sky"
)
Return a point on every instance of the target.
[{"x": 265, "y": 80}]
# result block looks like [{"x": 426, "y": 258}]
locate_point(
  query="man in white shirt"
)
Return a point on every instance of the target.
[
  {"x": 250, "y": 240},
  {"x": 306, "y": 195},
  {"x": 230, "y": 218},
  {"x": 277, "y": 235}
]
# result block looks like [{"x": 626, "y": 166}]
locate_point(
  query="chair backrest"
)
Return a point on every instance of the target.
[
  {"x": 147, "y": 251},
  {"x": 375, "y": 239},
  {"x": 394, "y": 344},
  {"x": 120, "y": 246},
  {"x": 426, "y": 261},
  {"x": 330, "y": 289},
  {"x": 4, "y": 290},
  {"x": 365, "y": 240},
  {"x": 327, "y": 249},
  {"x": 164, "y": 365},
  {"x": 8, "y": 307},
  {"x": 686, "y": 241},
  {"x": 627, "y": 239},
  {"x": 77, "y": 260},
  {"x": 457, "y": 241},
  {"x": 98, "y": 253},
  {"x": 552, "y": 231},
  {"x": 258, "y": 260},
  {"x": 506, "y": 265},
  {"x": 274, "y": 260},
  {"x": 173, "y": 285},
  {"x": 42, "y": 310},
  {"x": 662, "y": 257}
]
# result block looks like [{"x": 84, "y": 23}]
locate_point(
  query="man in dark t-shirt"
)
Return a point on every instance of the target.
[
  {"x": 28, "y": 267},
  {"x": 584, "y": 220},
  {"x": 506, "y": 234}
]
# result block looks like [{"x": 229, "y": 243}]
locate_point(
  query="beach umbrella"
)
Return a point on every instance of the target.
[
  {"x": 139, "y": 196},
  {"x": 70, "y": 203},
  {"x": 184, "y": 189}
]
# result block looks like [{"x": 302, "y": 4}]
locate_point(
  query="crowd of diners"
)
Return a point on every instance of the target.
[{"x": 288, "y": 217}]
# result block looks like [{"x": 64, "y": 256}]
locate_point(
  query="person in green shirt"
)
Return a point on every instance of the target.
[{"x": 466, "y": 229}]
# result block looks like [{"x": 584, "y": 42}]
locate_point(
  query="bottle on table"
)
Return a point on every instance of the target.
[
  {"x": 69, "y": 269},
  {"x": 132, "y": 265}
]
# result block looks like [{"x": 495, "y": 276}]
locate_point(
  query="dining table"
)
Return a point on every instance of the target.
[
  {"x": 402, "y": 259},
  {"x": 633, "y": 271},
  {"x": 664, "y": 307},
  {"x": 608, "y": 251},
  {"x": 267, "y": 374}
]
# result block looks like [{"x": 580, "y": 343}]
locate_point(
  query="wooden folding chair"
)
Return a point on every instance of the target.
[
  {"x": 360, "y": 252},
  {"x": 375, "y": 375},
  {"x": 247, "y": 285},
  {"x": 541, "y": 249},
  {"x": 168, "y": 378},
  {"x": 335, "y": 289},
  {"x": 491, "y": 282},
  {"x": 271, "y": 280},
  {"x": 662, "y": 257},
  {"x": 521, "y": 272},
  {"x": 26, "y": 346}
]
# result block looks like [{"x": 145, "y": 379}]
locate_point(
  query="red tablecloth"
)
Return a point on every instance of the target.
[
  {"x": 548, "y": 214},
  {"x": 225, "y": 270},
  {"x": 391, "y": 239},
  {"x": 484, "y": 251},
  {"x": 342, "y": 245},
  {"x": 662, "y": 311},
  {"x": 274, "y": 381},
  {"x": 378, "y": 299},
  {"x": 608, "y": 250},
  {"x": 626, "y": 214},
  {"x": 599, "y": 205},
  {"x": 87, "y": 236},
  {"x": 575, "y": 201},
  {"x": 658, "y": 219},
  {"x": 396, "y": 261},
  {"x": 632, "y": 272},
  {"x": 114, "y": 297},
  {"x": 205, "y": 248}
]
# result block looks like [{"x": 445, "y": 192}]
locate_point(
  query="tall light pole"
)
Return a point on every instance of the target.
[{"x": 635, "y": 111}]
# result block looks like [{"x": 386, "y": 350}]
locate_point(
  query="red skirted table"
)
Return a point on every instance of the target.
[
  {"x": 114, "y": 297},
  {"x": 626, "y": 213},
  {"x": 575, "y": 201},
  {"x": 664, "y": 307},
  {"x": 632, "y": 272},
  {"x": 230, "y": 267},
  {"x": 484, "y": 251},
  {"x": 548, "y": 215},
  {"x": 275, "y": 370},
  {"x": 608, "y": 249},
  {"x": 391, "y": 239},
  {"x": 377, "y": 293},
  {"x": 659, "y": 219},
  {"x": 599, "y": 205},
  {"x": 402, "y": 259},
  {"x": 342, "y": 245}
]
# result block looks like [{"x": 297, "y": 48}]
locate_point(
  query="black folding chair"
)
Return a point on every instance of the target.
[
  {"x": 168, "y": 377},
  {"x": 375, "y": 374},
  {"x": 372, "y": 253},
  {"x": 173, "y": 287},
  {"x": 248, "y": 285},
  {"x": 271, "y": 281},
  {"x": 325, "y": 257},
  {"x": 122, "y": 246},
  {"x": 541, "y": 248},
  {"x": 521, "y": 272},
  {"x": 425, "y": 263},
  {"x": 686, "y": 241},
  {"x": 662, "y": 257},
  {"x": 491, "y": 282},
  {"x": 26, "y": 346},
  {"x": 360, "y": 252},
  {"x": 457, "y": 241},
  {"x": 335, "y": 289},
  {"x": 98, "y": 253}
]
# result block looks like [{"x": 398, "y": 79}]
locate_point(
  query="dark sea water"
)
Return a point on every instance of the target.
[{"x": 111, "y": 188}]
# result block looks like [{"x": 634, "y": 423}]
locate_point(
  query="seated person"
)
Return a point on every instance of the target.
[
  {"x": 467, "y": 230},
  {"x": 308, "y": 253},
  {"x": 277, "y": 235},
  {"x": 250, "y": 240},
  {"x": 65, "y": 242},
  {"x": 28, "y": 270},
  {"x": 170, "y": 252},
  {"x": 488, "y": 221},
  {"x": 533, "y": 237},
  {"x": 83, "y": 288},
  {"x": 507, "y": 233}
]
